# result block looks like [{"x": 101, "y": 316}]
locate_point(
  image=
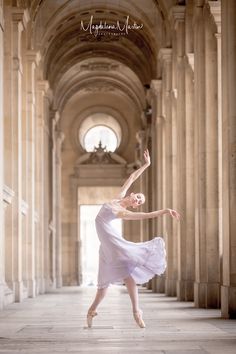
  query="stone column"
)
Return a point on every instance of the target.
[
  {"x": 158, "y": 121},
  {"x": 177, "y": 17},
  {"x": 32, "y": 58},
  {"x": 141, "y": 183},
  {"x": 206, "y": 288},
  {"x": 58, "y": 137},
  {"x": 228, "y": 289},
  {"x": 165, "y": 56},
  {"x": 186, "y": 276},
  {"x": 42, "y": 231},
  {"x": 2, "y": 246},
  {"x": 19, "y": 20}
]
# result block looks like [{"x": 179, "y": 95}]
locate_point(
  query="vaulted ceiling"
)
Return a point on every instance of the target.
[{"x": 74, "y": 58}]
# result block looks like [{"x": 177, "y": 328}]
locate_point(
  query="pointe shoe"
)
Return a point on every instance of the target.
[
  {"x": 138, "y": 318},
  {"x": 90, "y": 316}
]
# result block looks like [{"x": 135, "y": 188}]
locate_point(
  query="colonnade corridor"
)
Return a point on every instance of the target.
[{"x": 55, "y": 323}]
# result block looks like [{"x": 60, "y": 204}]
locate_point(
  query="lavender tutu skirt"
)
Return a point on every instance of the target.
[{"x": 119, "y": 258}]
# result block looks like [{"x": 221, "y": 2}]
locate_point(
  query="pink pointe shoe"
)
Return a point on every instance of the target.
[
  {"x": 138, "y": 318},
  {"x": 90, "y": 316}
]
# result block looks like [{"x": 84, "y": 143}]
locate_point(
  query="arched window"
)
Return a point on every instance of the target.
[
  {"x": 100, "y": 127},
  {"x": 103, "y": 134}
]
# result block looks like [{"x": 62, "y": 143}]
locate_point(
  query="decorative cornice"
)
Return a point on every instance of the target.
[
  {"x": 20, "y": 15},
  {"x": 8, "y": 195},
  {"x": 177, "y": 15},
  {"x": 43, "y": 85},
  {"x": 1, "y": 19},
  {"x": 165, "y": 54},
  {"x": 33, "y": 56},
  {"x": 215, "y": 10}
]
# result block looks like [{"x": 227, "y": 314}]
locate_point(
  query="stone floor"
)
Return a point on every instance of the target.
[{"x": 55, "y": 323}]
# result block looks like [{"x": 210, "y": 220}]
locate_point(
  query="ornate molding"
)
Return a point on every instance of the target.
[
  {"x": 100, "y": 156},
  {"x": 99, "y": 66},
  {"x": 215, "y": 10},
  {"x": 99, "y": 87},
  {"x": 43, "y": 86},
  {"x": 8, "y": 195},
  {"x": 20, "y": 15},
  {"x": 177, "y": 15},
  {"x": 33, "y": 56},
  {"x": 1, "y": 19},
  {"x": 165, "y": 55}
]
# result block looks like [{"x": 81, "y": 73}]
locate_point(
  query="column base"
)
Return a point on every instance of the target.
[
  {"x": 32, "y": 288},
  {"x": 207, "y": 295},
  {"x": 160, "y": 285},
  {"x": 2, "y": 295},
  {"x": 170, "y": 287},
  {"x": 19, "y": 291},
  {"x": 228, "y": 302},
  {"x": 59, "y": 281},
  {"x": 149, "y": 285},
  {"x": 185, "y": 290}
]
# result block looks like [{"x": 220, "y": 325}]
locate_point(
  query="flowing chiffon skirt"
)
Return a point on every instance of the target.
[{"x": 119, "y": 258}]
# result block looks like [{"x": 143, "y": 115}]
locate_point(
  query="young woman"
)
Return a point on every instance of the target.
[{"x": 122, "y": 261}]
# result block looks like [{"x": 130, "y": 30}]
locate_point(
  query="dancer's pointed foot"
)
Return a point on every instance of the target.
[
  {"x": 138, "y": 318},
  {"x": 90, "y": 316}
]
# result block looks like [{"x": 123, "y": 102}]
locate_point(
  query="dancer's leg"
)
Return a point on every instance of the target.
[
  {"x": 133, "y": 292},
  {"x": 98, "y": 298}
]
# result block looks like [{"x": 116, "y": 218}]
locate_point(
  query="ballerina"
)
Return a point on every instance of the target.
[{"x": 122, "y": 261}]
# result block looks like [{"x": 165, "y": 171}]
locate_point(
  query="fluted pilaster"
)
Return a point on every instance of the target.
[
  {"x": 2, "y": 243},
  {"x": 228, "y": 289}
]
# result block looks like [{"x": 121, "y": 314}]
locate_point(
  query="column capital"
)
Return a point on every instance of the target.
[
  {"x": 60, "y": 136},
  {"x": 20, "y": 15},
  {"x": 156, "y": 86},
  {"x": 165, "y": 55},
  {"x": 177, "y": 15},
  {"x": 43, "y": 85},
  {"x": 215, "y": 10},
  {"x": 33, "y": 56},
  {"x": 1, "y": 19},
  {"x": 55, "y": 116}
]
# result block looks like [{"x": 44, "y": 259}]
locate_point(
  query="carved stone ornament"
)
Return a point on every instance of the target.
[{"x": 100, "y": 156}]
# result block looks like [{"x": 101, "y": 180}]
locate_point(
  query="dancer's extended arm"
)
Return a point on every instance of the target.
[
  {"x": 129, "y": 215},
  {"x": 135, "y": 175}
]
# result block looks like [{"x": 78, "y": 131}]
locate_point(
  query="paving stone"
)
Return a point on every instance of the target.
[{"x": 56, "y": 323}]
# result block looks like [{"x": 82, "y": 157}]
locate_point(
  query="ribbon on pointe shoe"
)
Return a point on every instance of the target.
[
  {"x": 138, "y": 318},
  {"x": 90, "y": 316}
]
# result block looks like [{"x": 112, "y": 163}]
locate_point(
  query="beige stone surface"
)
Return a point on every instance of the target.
[
  {"x": 169, "y": 87},
  {"x": 55, "y": 323}
]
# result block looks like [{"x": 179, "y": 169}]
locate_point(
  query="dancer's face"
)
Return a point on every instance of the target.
[{"x": 136, "y": 199}]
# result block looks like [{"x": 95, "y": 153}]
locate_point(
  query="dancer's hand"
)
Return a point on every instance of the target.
[
  {"x": 174, "y": 214},
  {"x": 147, "y": 157}
]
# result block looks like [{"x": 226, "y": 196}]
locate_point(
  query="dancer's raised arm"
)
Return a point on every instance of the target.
[
  {"x": 129, "y": 215},
  {"x": 135, "y": 175}
]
